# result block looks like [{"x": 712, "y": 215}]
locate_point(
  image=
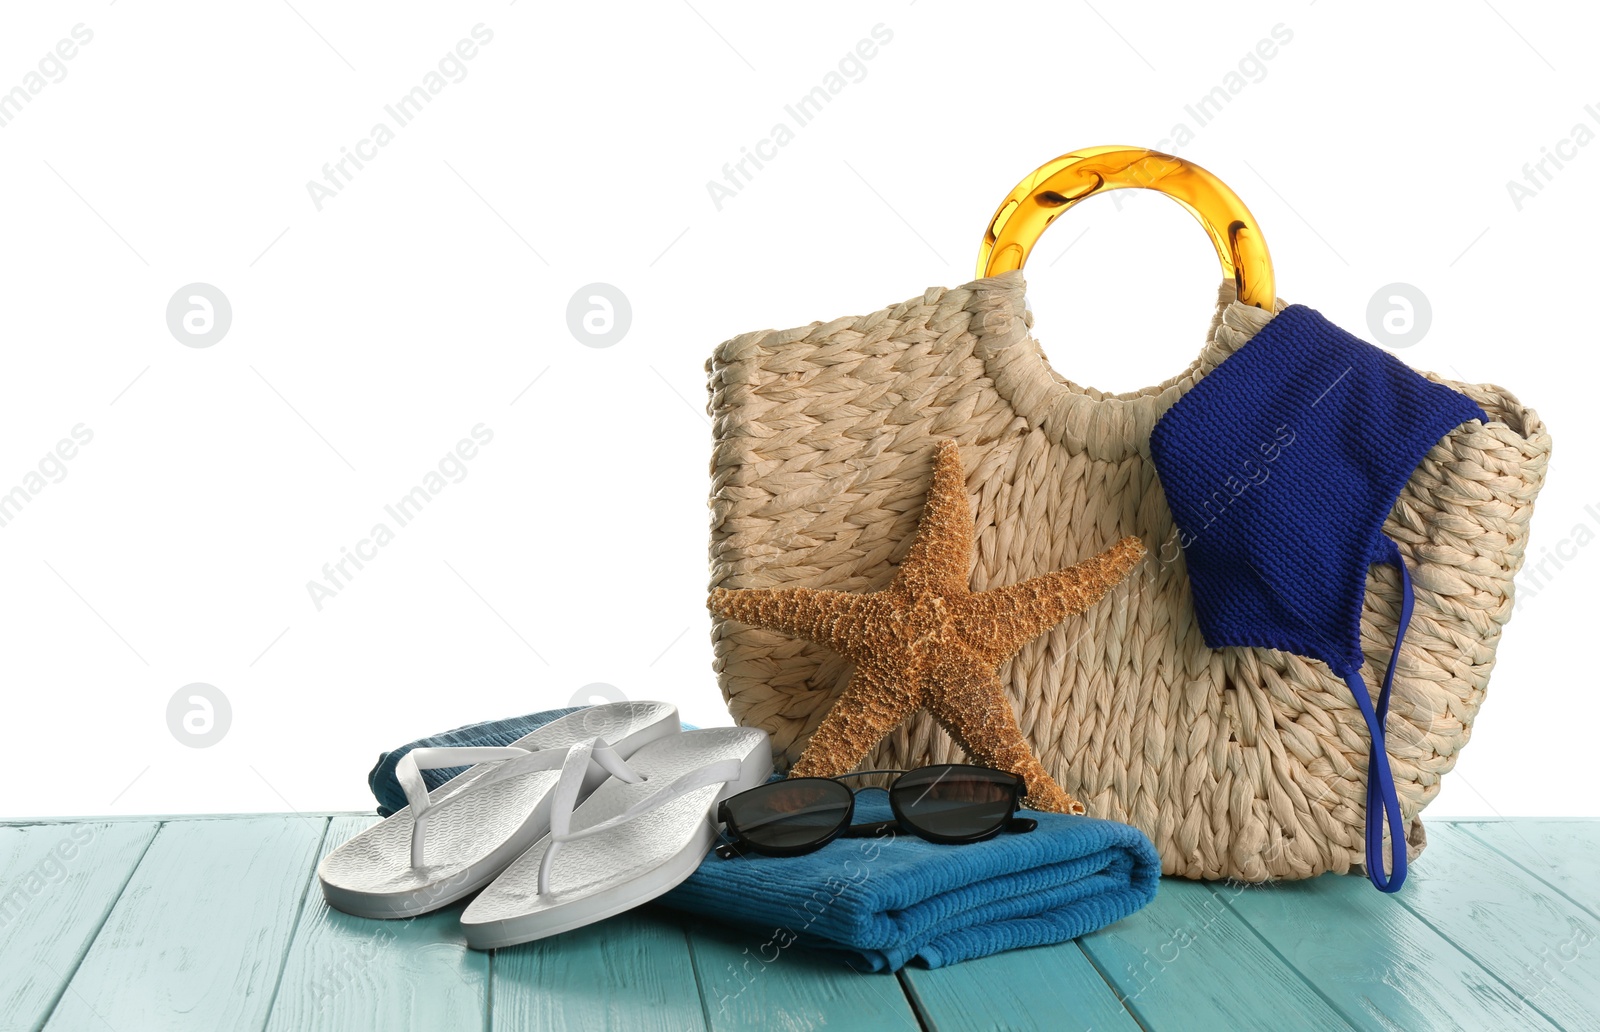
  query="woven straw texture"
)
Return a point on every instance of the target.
[{"x": 1242, "y": 763}]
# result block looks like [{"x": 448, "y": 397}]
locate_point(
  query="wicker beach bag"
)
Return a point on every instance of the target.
[{"x": 1237, "y": 762}]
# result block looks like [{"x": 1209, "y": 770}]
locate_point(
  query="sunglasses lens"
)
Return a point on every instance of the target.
[
  {"x": 955, "y": 800},
  {"x": 790, "y": 814}
]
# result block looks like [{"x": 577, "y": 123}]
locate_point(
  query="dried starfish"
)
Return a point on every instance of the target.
[{"x": 929, "y": 641}]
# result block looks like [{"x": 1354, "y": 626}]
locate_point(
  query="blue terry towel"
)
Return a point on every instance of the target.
[{"x": 880, "y": 902}]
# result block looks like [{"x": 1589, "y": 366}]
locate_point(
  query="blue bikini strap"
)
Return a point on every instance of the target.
[{"x": 1382, "y": 801}]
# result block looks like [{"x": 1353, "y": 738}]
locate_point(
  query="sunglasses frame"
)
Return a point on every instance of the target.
[{"x": 739, "y": 845}]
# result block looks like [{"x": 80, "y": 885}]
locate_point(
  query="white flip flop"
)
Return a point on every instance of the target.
[
  {"x": 452, "y": 841},
  {"x": 636, "y": 836}
]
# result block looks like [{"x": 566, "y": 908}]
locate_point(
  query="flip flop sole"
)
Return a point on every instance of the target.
[
  {"x": 630, "y": 864},
  {"x": 475, "y": 836}
]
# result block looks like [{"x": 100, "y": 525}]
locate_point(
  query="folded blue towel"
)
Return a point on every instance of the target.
[{"x": 880, "y": 902}]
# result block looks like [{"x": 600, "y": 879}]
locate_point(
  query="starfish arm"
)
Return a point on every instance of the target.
[
  {"x": 832, "y": 619},
  {"x": 1005, "y": 619},
  {"x": 973, "y": 707},
  {"x": 872, "y": 705},
  {"x": 940, "y": 559}
]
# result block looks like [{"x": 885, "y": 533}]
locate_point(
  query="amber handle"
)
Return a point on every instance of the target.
[{"x": 1057, "y": 185}]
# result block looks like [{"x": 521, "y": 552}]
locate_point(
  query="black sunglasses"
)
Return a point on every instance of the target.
[{"x": 949, "y": 802}]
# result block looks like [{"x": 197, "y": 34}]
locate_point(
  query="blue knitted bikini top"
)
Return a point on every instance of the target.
[{"x": 1280, "y": 467}]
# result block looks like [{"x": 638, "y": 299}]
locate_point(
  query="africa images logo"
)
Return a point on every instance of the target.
[
  {"x": 851, "y": 68},
  {"x": 451, "y": 68},
  {"x": 451, "y": 469}
]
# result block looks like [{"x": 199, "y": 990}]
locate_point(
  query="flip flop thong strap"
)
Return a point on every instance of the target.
[
  {"x": 510, "y": 761},
  {"x": 565, "y": 802}
]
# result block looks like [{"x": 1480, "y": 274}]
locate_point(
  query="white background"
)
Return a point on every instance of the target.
[{"x": 424, "y": 299}]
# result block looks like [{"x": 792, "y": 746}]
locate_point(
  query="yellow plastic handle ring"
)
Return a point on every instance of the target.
[{"x": 1057, "y": 185}]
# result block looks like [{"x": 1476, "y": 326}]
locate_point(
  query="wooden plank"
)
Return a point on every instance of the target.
[
  {"x": 1189, "y": 961},
  {"x": 629, "y": 972},
  {"x": 1046, "y": 988},
  {"x": 197, "y": 939},
  {"x": 1565, "y": 853},
  {"x": 57, "y": 884},
  {"x": 749, "y": 981},
  {"x": 1531, "y": 937},
  {"x": 168, "y": 818},
  {"x": 1375, "y": 960},
  {"x": 352, "y": 973}
]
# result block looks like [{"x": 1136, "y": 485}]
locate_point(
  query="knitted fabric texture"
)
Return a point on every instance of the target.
[
  {"x": 880, "y": 902},
  {"x": 1241, "y": 762},
  {"x": 1280, "y": 468}
]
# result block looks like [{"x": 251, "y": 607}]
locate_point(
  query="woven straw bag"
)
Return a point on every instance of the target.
[{"x": 1237, "y": 762}]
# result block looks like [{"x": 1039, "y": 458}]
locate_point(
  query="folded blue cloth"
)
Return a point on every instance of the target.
[
  {"x": 386, "y": 788},
  {"x": 880, "y": 902}
]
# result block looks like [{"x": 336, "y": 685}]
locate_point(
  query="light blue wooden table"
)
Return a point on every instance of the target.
[{"x": 216, "y": 923}]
